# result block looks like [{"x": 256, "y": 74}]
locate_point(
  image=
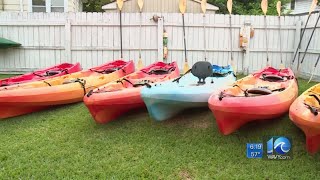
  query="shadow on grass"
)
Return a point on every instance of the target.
[
  {"x": 47, "y": 114},
  {"x": 198, "y": 118}
]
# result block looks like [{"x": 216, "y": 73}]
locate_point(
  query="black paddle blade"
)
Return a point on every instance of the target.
[{"x": 202, "y": 70}]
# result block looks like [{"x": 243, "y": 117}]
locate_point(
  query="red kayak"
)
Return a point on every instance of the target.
[
  {"x": 54, "y": 71},
  {"x": 112, "y": 100},
  {"x": 30, "y": 97},
  {"x": 264, "y": 95}
]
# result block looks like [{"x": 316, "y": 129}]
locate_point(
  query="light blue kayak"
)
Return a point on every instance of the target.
[{"x": 167, "y": 99}]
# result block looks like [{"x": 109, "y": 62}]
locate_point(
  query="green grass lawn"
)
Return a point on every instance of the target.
[{"x": 65, "y": 142}]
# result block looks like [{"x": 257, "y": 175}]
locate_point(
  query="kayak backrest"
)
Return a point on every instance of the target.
[
  {"x": 272, "y": 78},
  {"x": 260, "y": 91},
  {"x": 159, "y": 71},
  {"x": 52, "y": 73},
  {"x": 111, "y": 70},
  {"x": 202, "y": 70}
]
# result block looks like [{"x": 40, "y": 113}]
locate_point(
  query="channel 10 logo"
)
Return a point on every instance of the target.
[{"x": 279, "y": 147}]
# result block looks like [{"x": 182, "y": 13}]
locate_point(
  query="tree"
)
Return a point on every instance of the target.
[
  {"x": 95, "y": 5},
  {"x": 243, "y": 7},
  {"x": 247, "y": 7}
]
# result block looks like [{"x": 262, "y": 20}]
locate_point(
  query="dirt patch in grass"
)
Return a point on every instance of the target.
[{"x": 185, "y": 175}]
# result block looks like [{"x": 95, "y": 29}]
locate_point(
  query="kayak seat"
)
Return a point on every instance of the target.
[
  {"x": 52, "y": 73},
  {"x": 160, "y": 71},
  {"x": 3, "y": 83},
  {"x": 202, "y": 70},
  {"x": 217, "y": 74},
  {"x": 260, "y": 91},
  {"x": 70, "y": 81},
  {"x": 106, "y": 71},
  {"x": 272, "y": 78}
]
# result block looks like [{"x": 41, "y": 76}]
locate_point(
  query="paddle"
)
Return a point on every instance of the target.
[
  {"x": 264, "y": 7},
  {"x": 229, "y": 6},
  {"x": 314, "y": 69},
  {"x": 182, "y": 8},
  {"x": 305, "y": 52},
  {"x": 140, "y": 64},
  {"x": 279, "y": 16},
  {"x": 312, "y": 7},
  {"x": 120, "y": 5},
  {"x": 204, "y": 9}
]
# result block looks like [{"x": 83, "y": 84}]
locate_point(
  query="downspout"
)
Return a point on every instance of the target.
[{"x": 21, "y": 5}]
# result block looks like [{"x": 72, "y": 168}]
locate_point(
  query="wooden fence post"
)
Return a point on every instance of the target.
[
  {"x": 160, "y": 39},
  {"x": 68, "y": 40},
  {"x": 246, "y": 54}
]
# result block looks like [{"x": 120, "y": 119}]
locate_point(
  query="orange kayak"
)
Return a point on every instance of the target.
[
  {"x": 112, "y": 100},
  {"x": 54, "y": 71},
  {"x": 304, "y": 112},
  {"x": 264, "y": 95},
  {"x": 34, "y": 96}
]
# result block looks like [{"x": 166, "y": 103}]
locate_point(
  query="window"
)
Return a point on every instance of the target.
[
  {"x": 38, "y": 5},
  {"x": 57, "y": 5},
  {"x": 48, "y": 5}
]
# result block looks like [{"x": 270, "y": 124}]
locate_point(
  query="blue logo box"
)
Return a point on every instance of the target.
[
  {"x": 278, "y": 147},
  {"x": 254, "y": 150}
]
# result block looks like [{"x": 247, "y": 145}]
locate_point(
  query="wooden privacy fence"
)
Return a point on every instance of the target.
[{"x": 93, "y": 39}]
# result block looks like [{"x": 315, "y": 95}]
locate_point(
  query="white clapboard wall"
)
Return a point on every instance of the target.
[{"x": 93, "y": 38}]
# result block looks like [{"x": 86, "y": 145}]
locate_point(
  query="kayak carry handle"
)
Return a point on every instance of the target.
[
  {"x": 90, "y": 93},
  {"x": 142, "y": 84},
  {"x": 135, "y": 85},
  {"x": 313, "y": 110},
  {"x": 37, "y": 74}
]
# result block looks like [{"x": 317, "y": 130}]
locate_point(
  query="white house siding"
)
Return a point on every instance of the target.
[
  {"x": 75, "y": 6},
  {"x": 78, "y": 6},
  {"x": 71, "y": 6},
  {"x": 13, "y": 5},
  {"x": 302, "y": 7}
]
